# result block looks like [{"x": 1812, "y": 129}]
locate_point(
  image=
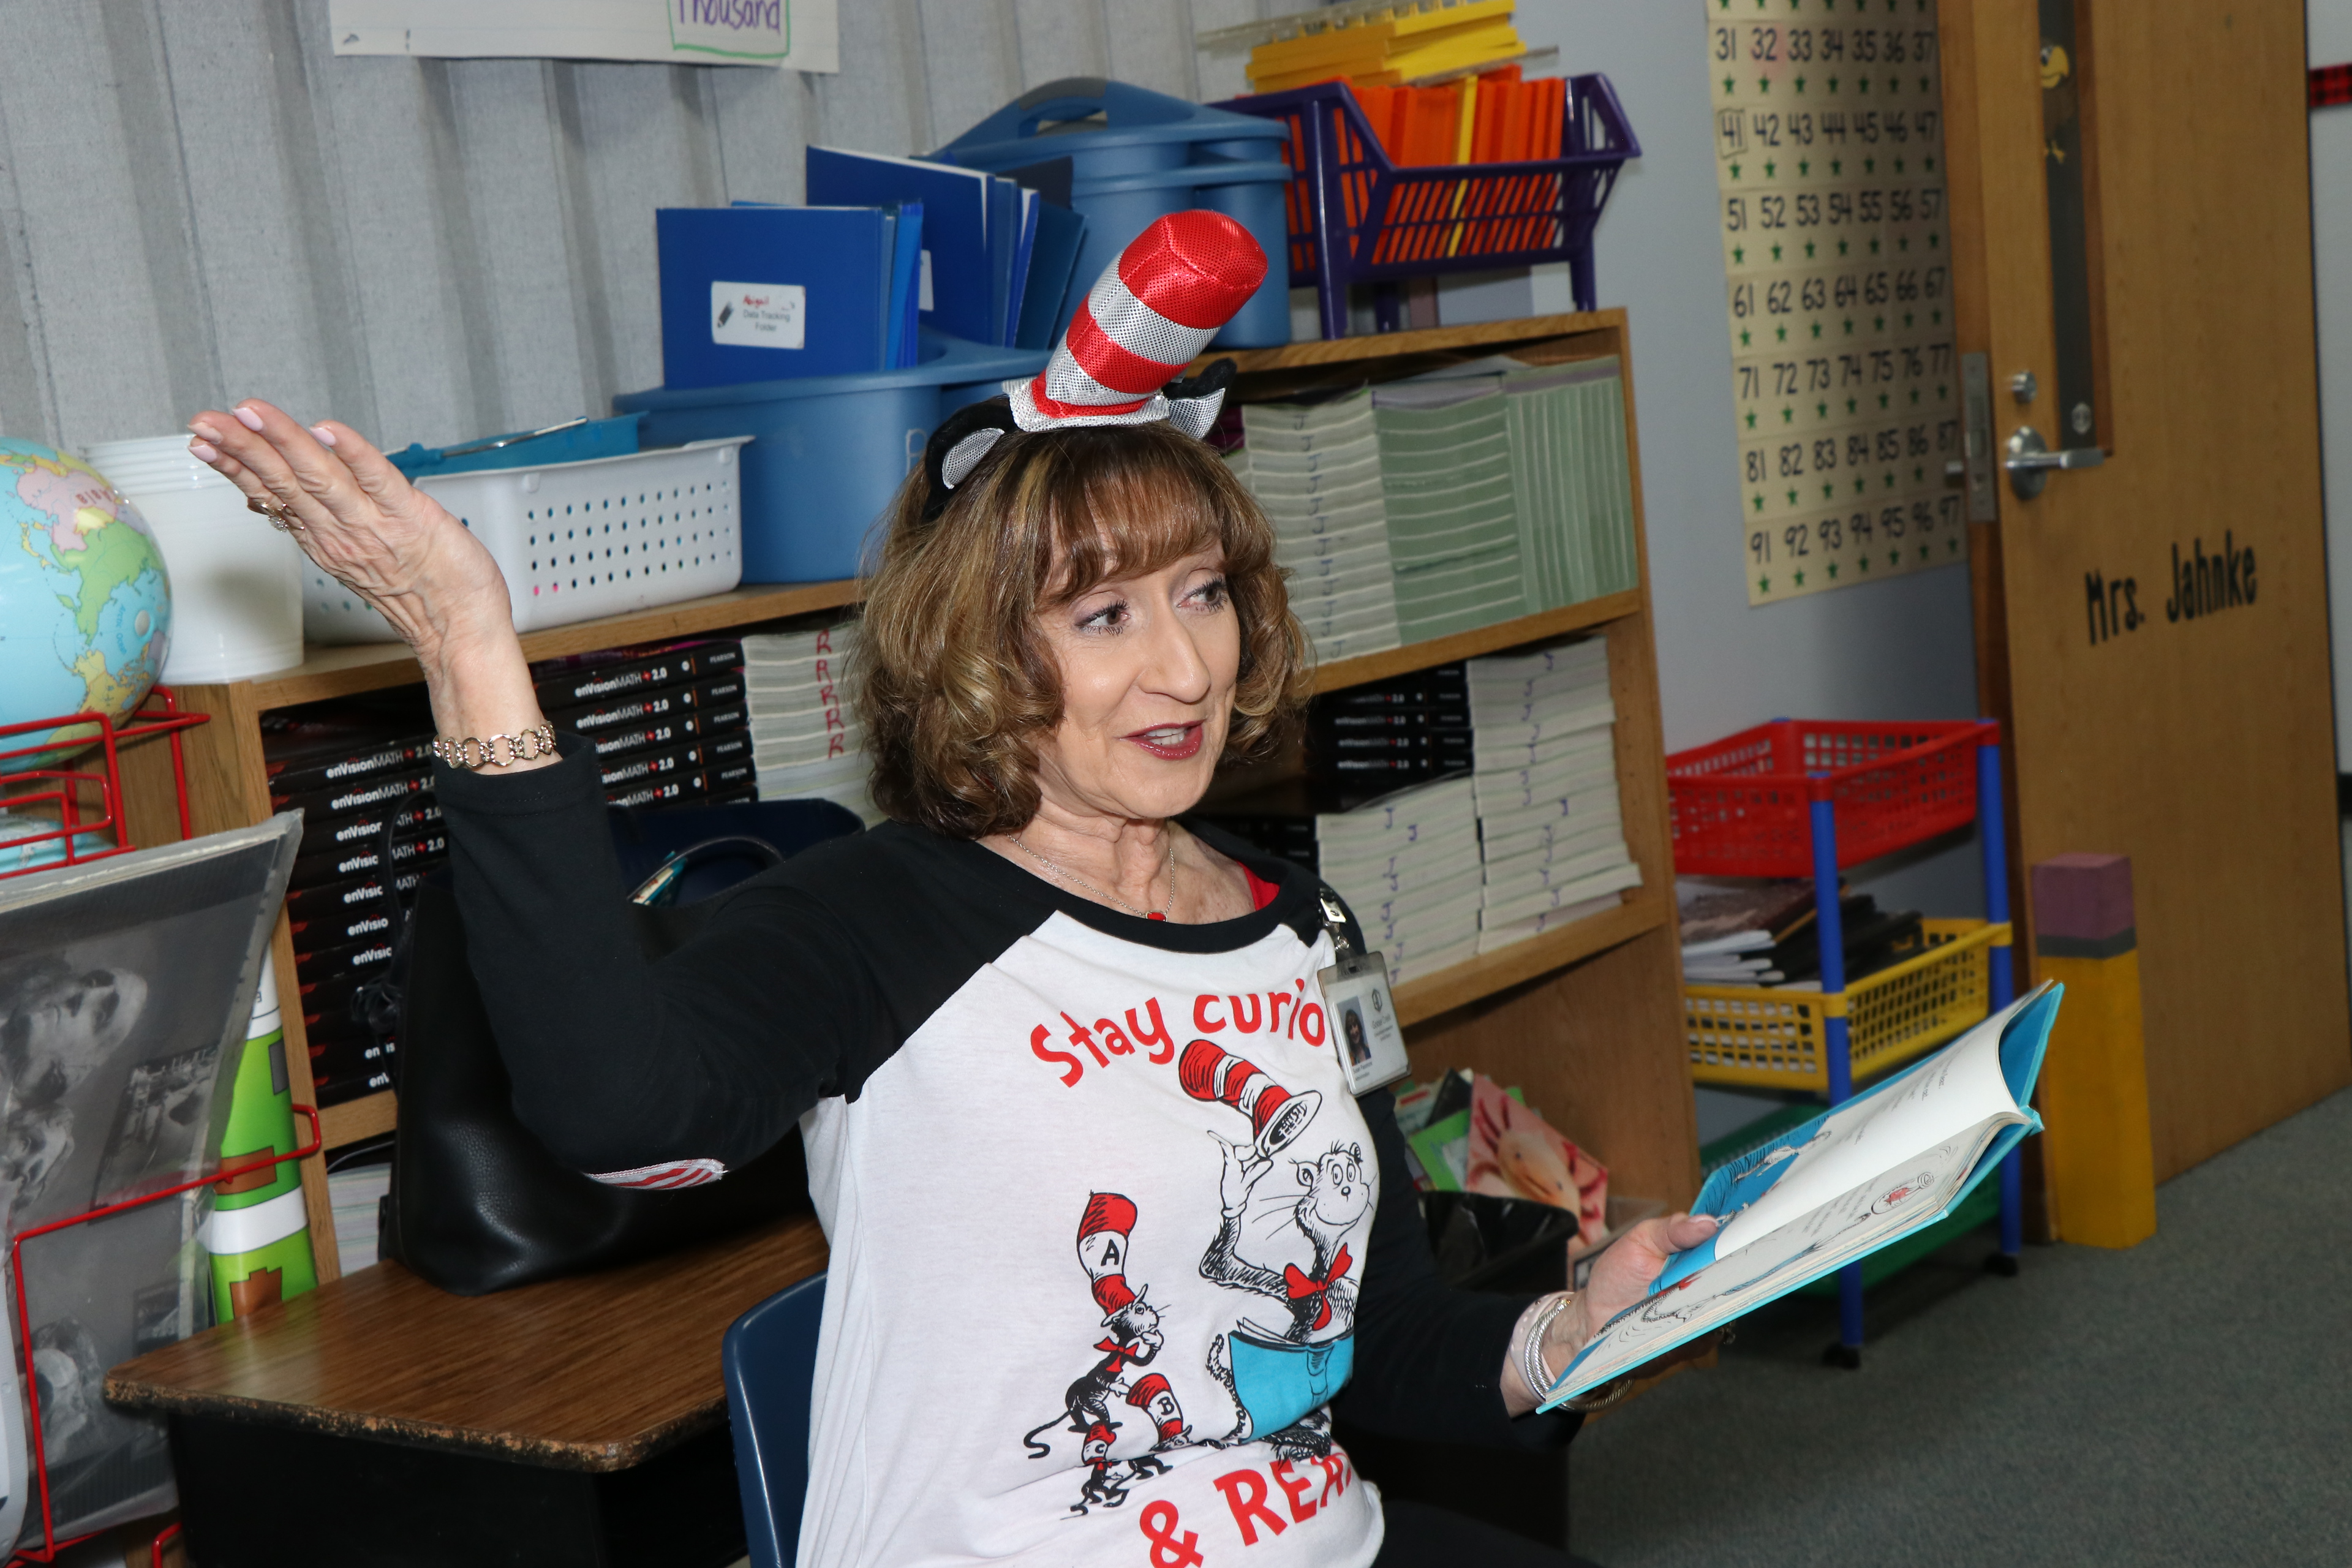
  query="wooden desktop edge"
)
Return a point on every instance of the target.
[{"x": 211, "y": 1374}]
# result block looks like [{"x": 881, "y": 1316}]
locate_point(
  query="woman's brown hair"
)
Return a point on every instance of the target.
[{"x": 954, "y": 681}]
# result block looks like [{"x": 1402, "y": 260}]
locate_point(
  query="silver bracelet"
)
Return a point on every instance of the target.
[
  {"x": 471, "y": 755},
  {"x": 1531, "y": 1363}
]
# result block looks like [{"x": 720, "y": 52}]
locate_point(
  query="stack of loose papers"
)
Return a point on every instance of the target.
[
  {"x": 358, "y": 1197},
  {"x": 805, "y": 739},
  {"x": 1574, "y": 490},
  {"x": 1408, "y": 866},
  {"x": 1552, "y": 834},
  {"x": 1453, "y": 514},
  {"x": 1316, "y": 471},
  {"x": 1730, "y": 928}
]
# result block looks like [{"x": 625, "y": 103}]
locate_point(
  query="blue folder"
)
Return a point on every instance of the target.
[
  {"x": 1046, "y": 300},
  {"x": 955, "y": 226},
  {"x": 905, "y": 268},
  {"x": 765, "y": 293}
]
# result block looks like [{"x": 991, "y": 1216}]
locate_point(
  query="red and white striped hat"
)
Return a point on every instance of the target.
[
  {"x": 1150, "y": 313},
  {"x": 1147, "y": 317}
]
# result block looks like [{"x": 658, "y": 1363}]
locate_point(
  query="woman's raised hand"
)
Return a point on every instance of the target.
[
  {"x": 394, "y": 546},
  {"x": 361, "y": 519}
]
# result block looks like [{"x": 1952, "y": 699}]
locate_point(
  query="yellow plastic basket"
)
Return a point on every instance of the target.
[{"x": 1771, "y": 1038}]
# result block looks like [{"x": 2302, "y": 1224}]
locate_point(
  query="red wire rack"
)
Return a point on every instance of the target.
[
  {"x": 85, "y": 800},
  {"x": 50, "y": 1545},
  {"x": 89, "y": 800}
]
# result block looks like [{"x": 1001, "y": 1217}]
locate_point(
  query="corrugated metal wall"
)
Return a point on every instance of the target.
[{"x": 199, "y": 201}]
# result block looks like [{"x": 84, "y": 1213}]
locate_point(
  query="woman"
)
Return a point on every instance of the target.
[{"x": 1108, "y": 1233}]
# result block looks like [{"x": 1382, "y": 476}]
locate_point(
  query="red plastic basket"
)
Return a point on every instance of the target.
[{"x": 1742, "y": 806}]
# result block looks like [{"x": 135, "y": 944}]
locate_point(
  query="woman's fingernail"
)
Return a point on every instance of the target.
[
  {"x": 204, "y": 452},
  {"x": 325, "y": 436},
  {"x": 204, "y": 432},
  {"x": 247, "y": 417}
]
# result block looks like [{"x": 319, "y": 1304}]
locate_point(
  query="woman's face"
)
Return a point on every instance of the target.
[{"x": 1149, "y": 665}]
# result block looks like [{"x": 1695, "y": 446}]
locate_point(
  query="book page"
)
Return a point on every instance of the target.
[
  {"x": 1954, "y": 1089},
  {"x": 1899, "y": 1199}
]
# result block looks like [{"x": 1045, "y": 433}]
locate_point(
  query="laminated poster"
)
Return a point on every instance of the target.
[
  {"x": 125, "y": 985},
  {"x": 1836, "y": 246},
  {"x": 803, "y": 34}
]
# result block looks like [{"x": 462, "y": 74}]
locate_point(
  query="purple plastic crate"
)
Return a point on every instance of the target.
[{"x": 1356, "y": 217}]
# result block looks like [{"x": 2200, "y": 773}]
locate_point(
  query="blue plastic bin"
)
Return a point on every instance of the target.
[
  {"x": 1137, "y": 155},
  {"x": 523, "y": 448},
  {"x": 829, "y": 451}
]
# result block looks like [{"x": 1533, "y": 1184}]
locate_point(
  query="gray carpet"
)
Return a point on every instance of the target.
[{"x": 2188, "y": 1401}]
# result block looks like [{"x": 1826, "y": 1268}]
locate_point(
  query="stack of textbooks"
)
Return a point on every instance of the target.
[
  {"x": 1389, "y": 733},
  {"x": 1448, "y": 502},
  {"x": 361, "y": 774},
  {"x": 1407, "y": 864},
  {"x": 805, "y": 736},
  {"x": 1552, "y": 836},
  {"x": 1316, "y": 471},
  {"x": 1574, "y": 490},
  {"x": 1447, "y": 475},
  {"x": 1766, "y": 933},
  {"x": 669, "y": 723}
]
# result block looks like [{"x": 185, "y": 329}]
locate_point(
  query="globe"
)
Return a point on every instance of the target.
[{"x": 85, "y": 604}]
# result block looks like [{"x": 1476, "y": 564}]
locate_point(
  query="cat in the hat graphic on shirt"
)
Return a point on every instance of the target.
[
  {"x": 1134, "y": 1339},
  {"x": 1279, "y": 1379}
]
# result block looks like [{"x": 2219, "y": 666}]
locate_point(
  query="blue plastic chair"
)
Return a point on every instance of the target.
[{"x": 768, "y": 1357}]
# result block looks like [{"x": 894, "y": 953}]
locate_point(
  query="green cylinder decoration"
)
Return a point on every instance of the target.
[{"x": 259, "y": 1232}]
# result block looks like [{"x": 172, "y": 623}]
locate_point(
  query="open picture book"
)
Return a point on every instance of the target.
[{"x": 1895, "y": 1158}]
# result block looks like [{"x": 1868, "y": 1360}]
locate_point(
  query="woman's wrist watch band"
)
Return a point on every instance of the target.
[{"x": 471, "y": 755}]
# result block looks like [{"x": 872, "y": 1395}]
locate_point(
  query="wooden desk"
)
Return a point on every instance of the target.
[{"x": 379, "y": 1420}]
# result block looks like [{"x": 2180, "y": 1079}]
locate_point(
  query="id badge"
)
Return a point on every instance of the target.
[{"x": 1364, "y": 1029}]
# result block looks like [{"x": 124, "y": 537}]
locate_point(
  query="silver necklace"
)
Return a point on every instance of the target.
[{"x": 1167, "y": 866}]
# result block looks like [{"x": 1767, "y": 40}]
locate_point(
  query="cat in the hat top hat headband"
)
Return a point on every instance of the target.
[{"x": 1147, "y": 317}]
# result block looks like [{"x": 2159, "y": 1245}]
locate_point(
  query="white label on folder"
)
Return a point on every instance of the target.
[
  {"x": 759, "y": 315},
  {"x": 924, "y": 302}
]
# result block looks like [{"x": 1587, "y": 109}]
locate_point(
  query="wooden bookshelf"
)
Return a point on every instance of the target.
[
  {"x": 1586, "y": 1019},
  {"x": 345, "y": 671}
]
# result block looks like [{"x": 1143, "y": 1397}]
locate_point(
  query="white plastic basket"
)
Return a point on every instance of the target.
[{"x": 579, "y": 539}]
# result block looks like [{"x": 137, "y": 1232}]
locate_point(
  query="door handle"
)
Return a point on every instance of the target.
[{"x": 2030, "y": 462}]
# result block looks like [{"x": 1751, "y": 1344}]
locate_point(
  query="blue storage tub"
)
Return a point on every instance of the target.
[
  {"x": 573, "y": 442},
  {"x": 827, "y": 452},
  {"x": 1137, "y": 155}
]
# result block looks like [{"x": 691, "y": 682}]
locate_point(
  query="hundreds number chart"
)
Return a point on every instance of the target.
[{"x": 1829, "y": 143}]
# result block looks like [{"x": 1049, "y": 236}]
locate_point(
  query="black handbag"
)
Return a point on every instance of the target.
[{"x": 478, "y": 1203}]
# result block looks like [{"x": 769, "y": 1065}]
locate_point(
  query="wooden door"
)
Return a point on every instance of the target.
[{"x": 2154, "y": 630}]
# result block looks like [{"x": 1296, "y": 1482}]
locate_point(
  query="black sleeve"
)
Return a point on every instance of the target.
[
  {"x": 1429, "y": 1357},
  {"x": 713, "y": 1051}
]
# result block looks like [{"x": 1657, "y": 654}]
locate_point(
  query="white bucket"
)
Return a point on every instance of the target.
[{"x": 237, "y": 583}]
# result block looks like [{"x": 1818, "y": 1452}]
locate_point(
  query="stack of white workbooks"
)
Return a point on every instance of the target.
[
  {"x": 1316, "y": 471},
  {"x": 805, "y": 737},
  {"x": 1408, "y": 866},
  {"x": 1891, "y": 1161},
  {"x": 1552, "y": 836}
]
